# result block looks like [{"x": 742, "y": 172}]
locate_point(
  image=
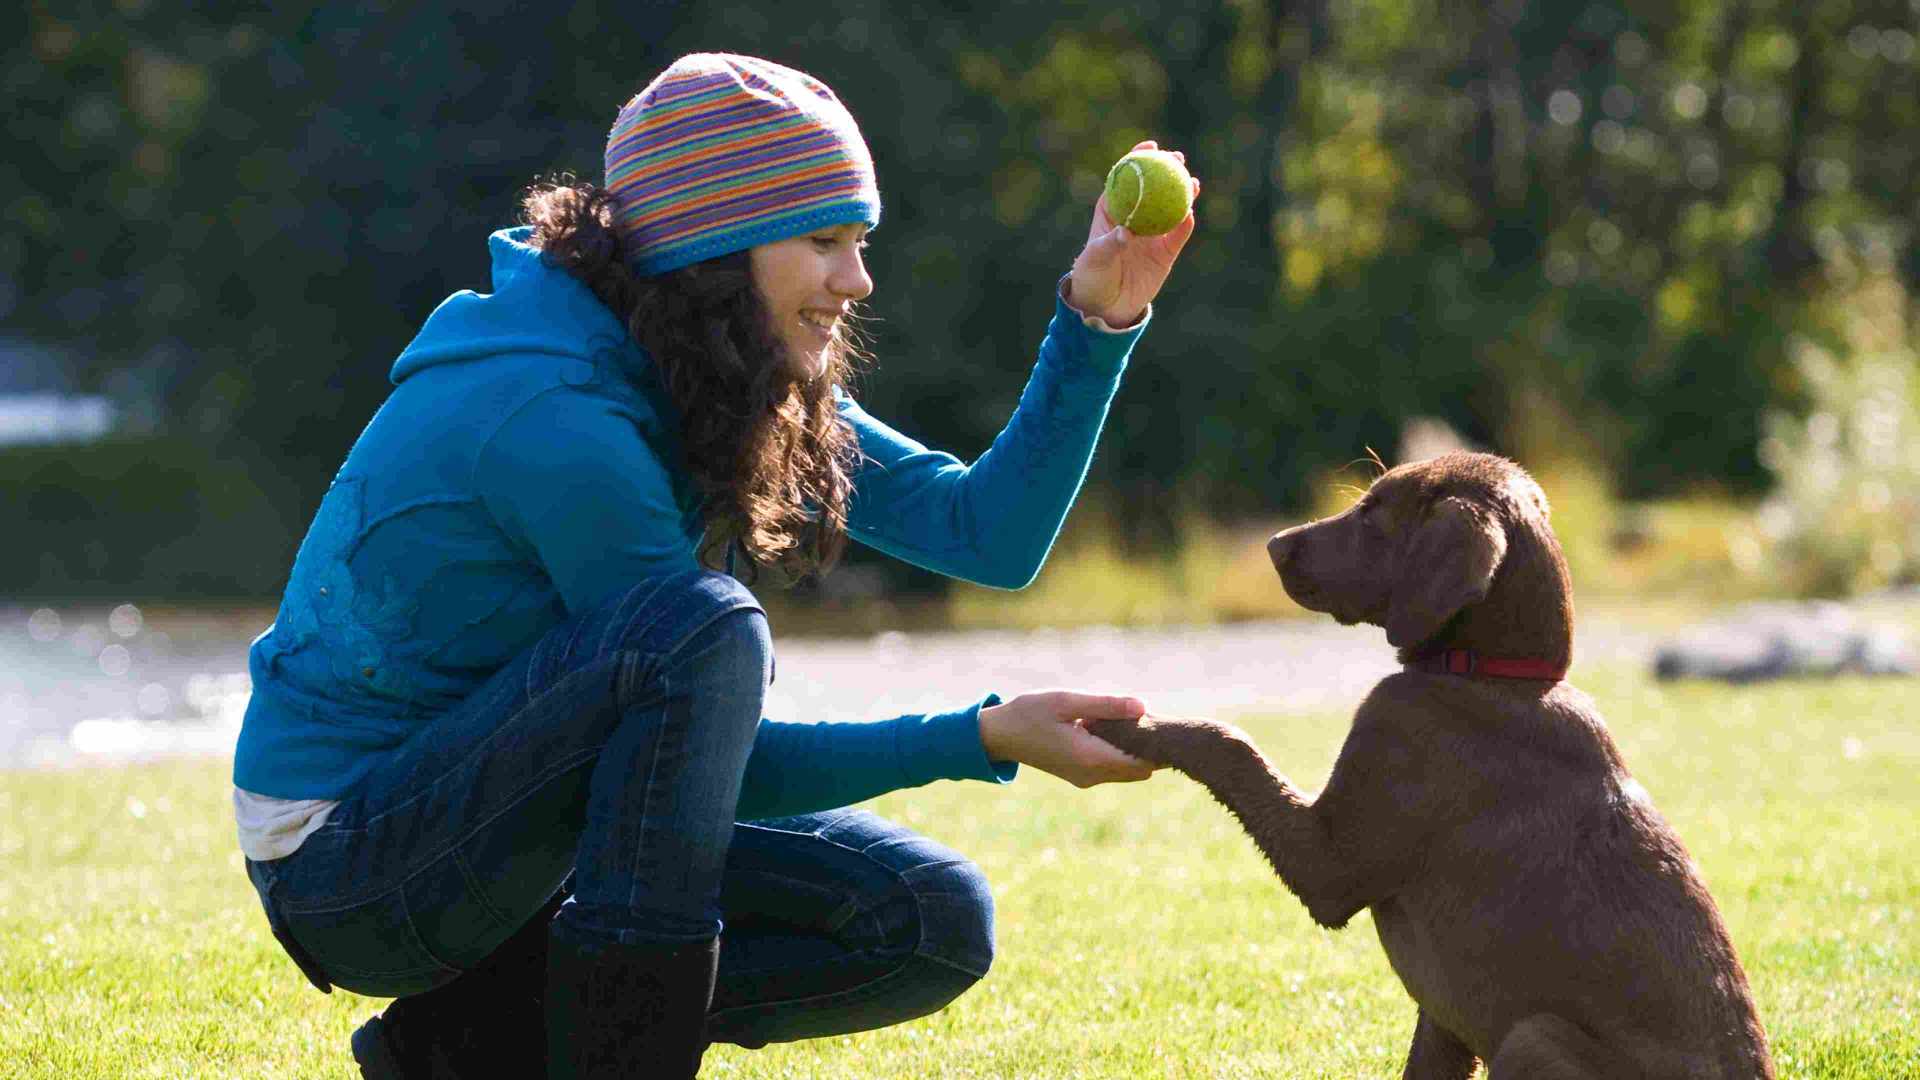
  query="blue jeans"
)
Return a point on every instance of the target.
[{"x": 611, "y": 752}]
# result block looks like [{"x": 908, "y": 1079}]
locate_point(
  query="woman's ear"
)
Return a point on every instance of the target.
[{"x": 1447, "y": 565}]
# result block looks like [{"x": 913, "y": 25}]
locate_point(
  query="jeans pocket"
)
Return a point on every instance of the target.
[
  {"x": 371, "y": 948},
  {"x": 455, "y": 916}
]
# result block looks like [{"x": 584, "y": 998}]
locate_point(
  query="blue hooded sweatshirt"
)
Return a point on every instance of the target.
[{"x": 526, "y": 468}]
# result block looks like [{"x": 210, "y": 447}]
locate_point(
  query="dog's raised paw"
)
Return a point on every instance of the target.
[
  {"x": 1167, "y": 740},
  {"x": 1136, "y": 737}
]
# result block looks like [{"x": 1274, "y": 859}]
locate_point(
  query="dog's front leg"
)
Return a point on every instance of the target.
[
  {"x": 1436, "y": 1054},
  {"x": 1279, "y": 817}
]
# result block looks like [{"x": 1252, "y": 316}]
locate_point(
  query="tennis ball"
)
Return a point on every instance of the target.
[{"x": 1149, "y": 191}]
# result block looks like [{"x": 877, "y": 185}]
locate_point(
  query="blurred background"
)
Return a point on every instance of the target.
[{"x": 1661, "y": 253}]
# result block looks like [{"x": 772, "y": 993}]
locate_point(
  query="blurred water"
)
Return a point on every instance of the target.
[
  {"x": 119, "y": 682},
  {"x": 106, "y": 684}
]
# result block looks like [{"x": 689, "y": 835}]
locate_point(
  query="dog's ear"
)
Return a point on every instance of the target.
[{"x": 1446, "y": 565}]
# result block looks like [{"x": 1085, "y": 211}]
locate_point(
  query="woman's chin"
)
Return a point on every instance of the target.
[{"x": 810, "y": 365}]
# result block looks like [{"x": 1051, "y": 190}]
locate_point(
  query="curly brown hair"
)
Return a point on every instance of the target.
[{"x": 766, "y": 448}]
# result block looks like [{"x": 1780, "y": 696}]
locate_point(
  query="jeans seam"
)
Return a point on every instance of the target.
[
  {"x": 352, "y": 900},
  {"x": 649, "y": 791},
  {"x": 921, "y": 944},
  {"x": 420, "y": 939},
  {"x": 477, "y": 891},
  {"x": 922, "y": 923},
  {"x": 865, "y": 988},
  {"x": 719, "y": 611},
  {"x": 480, "y": 749},
  {"x": 627, "y": 675},
  {"x": 567, "y": 650},
  {"x": 336, "y": 970},
  {"x": 936, "y": 958},
  {"x": 620, "y": 627}
]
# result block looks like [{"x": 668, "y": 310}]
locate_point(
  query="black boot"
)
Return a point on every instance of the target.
[
  {"x": 622, "y": 1011},
  {"x": 491, "y": 1021}
]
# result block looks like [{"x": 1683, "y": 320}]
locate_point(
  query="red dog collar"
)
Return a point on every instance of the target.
[{"x": 1468, "y": 662}]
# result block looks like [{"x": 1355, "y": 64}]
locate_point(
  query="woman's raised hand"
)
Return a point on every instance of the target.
[
  {"x": 1044, "y": 730},
  {"x": 1118, "y": 273}
]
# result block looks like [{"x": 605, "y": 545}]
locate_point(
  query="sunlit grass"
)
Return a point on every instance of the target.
[{"x": 1140, "y": 935}]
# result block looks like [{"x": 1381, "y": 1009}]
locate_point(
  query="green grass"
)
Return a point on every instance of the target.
[{"x": 1140, "y": 935}]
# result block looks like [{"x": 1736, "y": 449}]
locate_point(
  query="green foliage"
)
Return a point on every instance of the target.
[
  {"x": 241, "y": 214},
  {"x": 139, "y": 519},
  {"x": 1140, "y": 934},
  {"x": 1844, "y": 515}
]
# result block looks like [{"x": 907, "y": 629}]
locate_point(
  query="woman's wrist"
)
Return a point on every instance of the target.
[
  {"x": 1112, "y": 322},
  {"x": 992, "y": 733}
]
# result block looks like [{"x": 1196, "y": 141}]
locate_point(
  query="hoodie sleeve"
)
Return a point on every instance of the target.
[
  {"x": 993, "y": 521},
  {"x": 574, "y": 483},
  {"x": 799, "y": 768}
]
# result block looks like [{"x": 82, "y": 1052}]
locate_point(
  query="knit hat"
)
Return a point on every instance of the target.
[{"x": 721, "y": 153}]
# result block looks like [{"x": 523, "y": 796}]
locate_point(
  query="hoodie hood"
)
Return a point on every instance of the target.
[{"x": 535, "y": 307}]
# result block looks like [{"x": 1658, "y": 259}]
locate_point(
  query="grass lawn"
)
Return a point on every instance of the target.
[{"x": 1140, "y": 934}]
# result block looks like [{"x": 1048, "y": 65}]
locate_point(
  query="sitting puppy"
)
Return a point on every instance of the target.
[{"x": 1541, "y": 913}]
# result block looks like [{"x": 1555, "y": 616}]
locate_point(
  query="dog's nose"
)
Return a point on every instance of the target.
[{"x": 1280, "y": 548}]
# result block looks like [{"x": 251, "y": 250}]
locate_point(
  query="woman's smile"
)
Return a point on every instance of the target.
[{"x": 820, "y": 322}]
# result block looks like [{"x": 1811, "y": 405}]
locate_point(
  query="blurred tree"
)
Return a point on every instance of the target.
[{"x": 1578, "y": 228}]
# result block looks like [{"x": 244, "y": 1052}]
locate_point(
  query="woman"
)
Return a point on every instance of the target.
[{"x": 506, "y": 731}]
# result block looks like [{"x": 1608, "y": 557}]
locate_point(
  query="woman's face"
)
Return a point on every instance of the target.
[{"x": 808, "y": 283}]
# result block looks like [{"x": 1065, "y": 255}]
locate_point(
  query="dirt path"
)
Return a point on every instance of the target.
[
  {"x": 1218, "y": 670},
  {"x": 97, "y": 688}
]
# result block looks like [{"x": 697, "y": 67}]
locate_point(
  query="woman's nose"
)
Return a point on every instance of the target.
[{"x": 850, "y": 277}]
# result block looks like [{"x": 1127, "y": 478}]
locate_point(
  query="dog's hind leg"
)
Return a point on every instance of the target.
[
  {"x": 1547, "y": 1047},
  {"x": 1436, "y": 1054}
]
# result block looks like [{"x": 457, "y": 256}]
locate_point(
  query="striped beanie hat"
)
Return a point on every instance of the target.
[{"x": 721, "y": 153}]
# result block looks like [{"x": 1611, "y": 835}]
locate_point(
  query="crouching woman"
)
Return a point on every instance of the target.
[{"x": 505, "y": 758}]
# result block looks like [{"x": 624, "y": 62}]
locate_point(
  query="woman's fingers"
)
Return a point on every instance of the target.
[
  {"x": 1099, "y": 761},
  {"x": 1102, "y": 221},
  {"x": 1075, "y": 705},
  {"x": 1174, "y": 240},
  {"x": 1149, "y": 144},
  {"x": 1044, "y": 729}
]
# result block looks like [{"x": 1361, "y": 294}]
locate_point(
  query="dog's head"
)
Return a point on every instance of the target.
[{"x": 1455, "y": 551}]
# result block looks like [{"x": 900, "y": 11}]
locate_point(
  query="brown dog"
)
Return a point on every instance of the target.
[{"x": 1542, "y": 914}]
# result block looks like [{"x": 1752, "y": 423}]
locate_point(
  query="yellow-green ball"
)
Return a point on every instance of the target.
[{"x": 1149, "y": 192}]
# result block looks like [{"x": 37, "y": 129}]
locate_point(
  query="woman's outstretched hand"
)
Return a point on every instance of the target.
[
  {"x": 1119, "y": 273},
  {"x": 1045, "y": 730}
]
